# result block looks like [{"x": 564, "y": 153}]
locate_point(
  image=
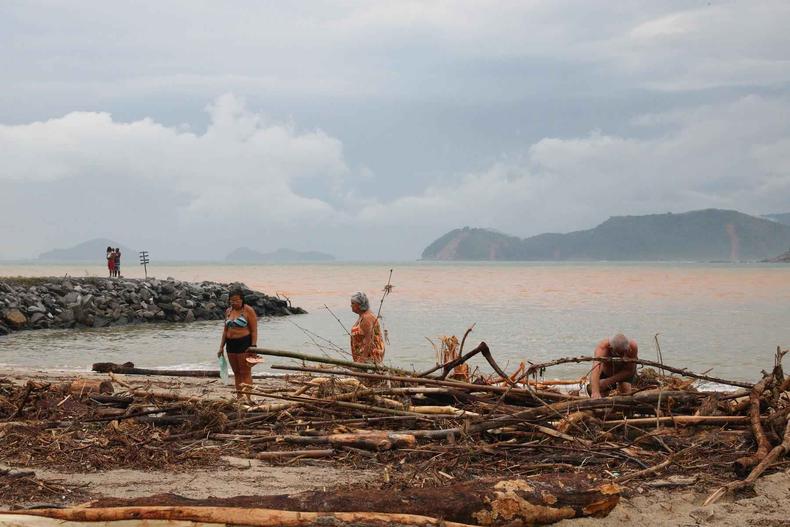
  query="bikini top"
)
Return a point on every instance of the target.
[{"x": 238, "y": 322}]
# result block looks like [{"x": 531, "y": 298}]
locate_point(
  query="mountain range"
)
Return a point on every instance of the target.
[
  {"x": 702, "y": 235},
  {"x": 86, "y": 251}
]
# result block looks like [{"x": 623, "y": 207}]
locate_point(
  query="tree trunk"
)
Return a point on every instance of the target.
[
  {"x": 541, "y": 500},
  {"x": 233, "y": 516},
  {"x": 129, "y": 369}
]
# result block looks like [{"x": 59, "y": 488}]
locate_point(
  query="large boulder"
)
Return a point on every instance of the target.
[
  {"x": 14, "y": 318},
  {"x": 71, "y": 298}
]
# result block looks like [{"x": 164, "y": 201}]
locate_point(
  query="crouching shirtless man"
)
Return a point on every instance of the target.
[{"x": 607, "y": 375}]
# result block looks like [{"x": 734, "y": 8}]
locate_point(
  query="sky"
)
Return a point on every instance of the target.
[{"x": 368, "y": 129}]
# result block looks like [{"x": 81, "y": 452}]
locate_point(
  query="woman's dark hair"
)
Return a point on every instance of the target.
[
  {"x": 109, "y": 248},
  {"x": 236, "y": 292}
]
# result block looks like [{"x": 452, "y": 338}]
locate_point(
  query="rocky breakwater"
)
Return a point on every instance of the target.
[{"x": 41, "y": 303}]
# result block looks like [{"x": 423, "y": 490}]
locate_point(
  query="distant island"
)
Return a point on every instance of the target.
[
  {"x": 85, "y": 252},
  {"x": 783, "y": 217},
  {"x": 702, "y": 235},
  {"x": 247, "y": 255},
  {"x": 782, "y": 258}
]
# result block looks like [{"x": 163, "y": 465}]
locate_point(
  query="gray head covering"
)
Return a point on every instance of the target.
[
  {"x": 619, "y": 343},
  {"x": 361, "y": 299}
]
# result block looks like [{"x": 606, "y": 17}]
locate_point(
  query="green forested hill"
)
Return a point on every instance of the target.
[{"x": 703, "y": 235}]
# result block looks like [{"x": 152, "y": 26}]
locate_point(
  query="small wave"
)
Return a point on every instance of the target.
[
  {"x": 189, "y": 366},
  {"x": 709, "y": 386}
]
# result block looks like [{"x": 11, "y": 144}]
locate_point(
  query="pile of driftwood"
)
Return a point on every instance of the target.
[{"x": 492, "y": 450}]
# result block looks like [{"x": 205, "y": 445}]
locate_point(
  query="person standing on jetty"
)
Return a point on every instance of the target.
[
  {"x": 118, "y": 262},
  {"x": 239, "y": 333},
  {"x": 367, "y": 344},
  {"x": 111, "y": 261},
  {"x": 607, "y": 375}
]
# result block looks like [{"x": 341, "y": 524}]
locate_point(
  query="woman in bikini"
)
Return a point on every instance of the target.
[{"x": 239, "y": 334}]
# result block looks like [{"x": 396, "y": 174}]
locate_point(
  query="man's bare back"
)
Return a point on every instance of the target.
[{"x": 606, "y": 375}]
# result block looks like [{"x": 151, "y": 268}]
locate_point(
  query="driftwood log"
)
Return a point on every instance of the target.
[
  {"x": 542, "y": 500},
  {"x": 223, "y": 516},
  {"x": 128, "y": 368},
  {"x": 366, "y": 440}
]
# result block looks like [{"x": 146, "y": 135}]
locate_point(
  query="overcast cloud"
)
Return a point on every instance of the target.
[{"x": 367, "y": 129}]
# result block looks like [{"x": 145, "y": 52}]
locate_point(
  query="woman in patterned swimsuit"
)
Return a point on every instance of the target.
[
  {"x": 239, "y": 333},
  {"x": 367, "y": 345}
]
